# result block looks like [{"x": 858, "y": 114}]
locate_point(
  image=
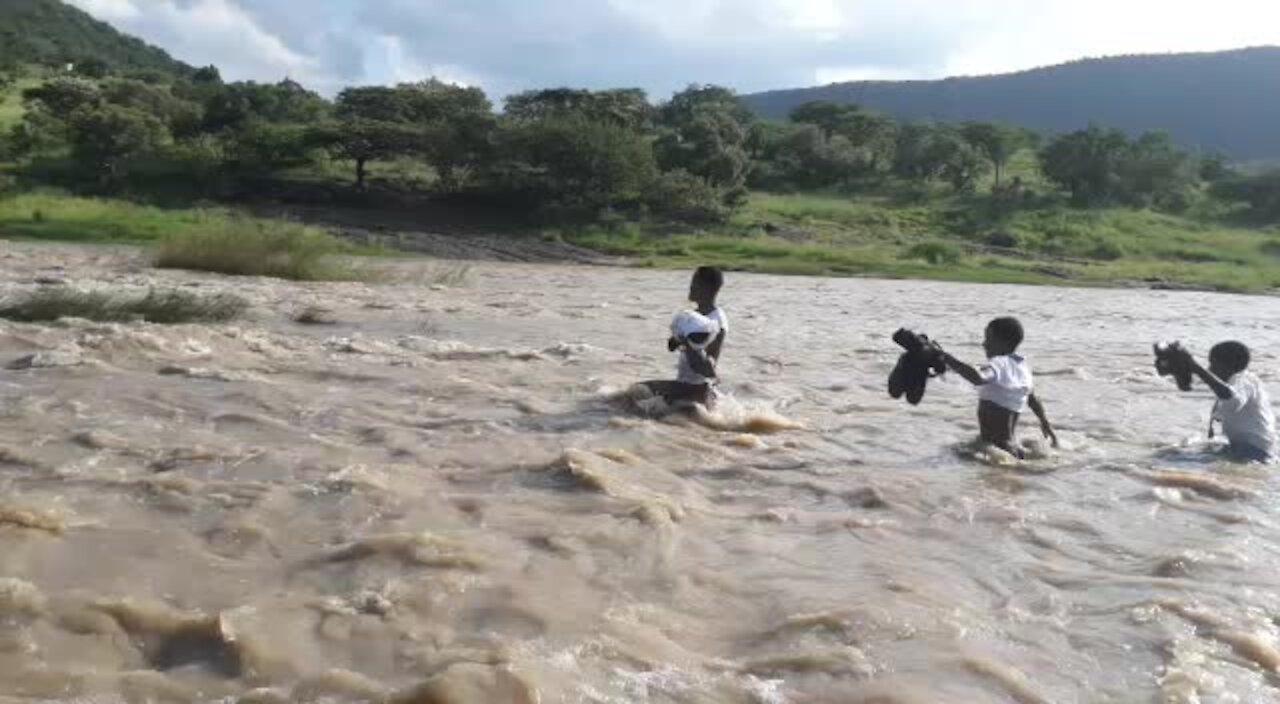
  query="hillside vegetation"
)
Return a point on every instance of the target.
[
  {"x": 834, "y": 188},
  {"x": 1225, "y": 102},
  {"x": 48, "y": 32}
]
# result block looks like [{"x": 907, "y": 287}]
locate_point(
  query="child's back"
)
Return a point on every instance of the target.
[{"x": 1247, "y": 418}]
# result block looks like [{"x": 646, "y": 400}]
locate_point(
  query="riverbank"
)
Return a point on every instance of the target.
[{"x": 946, "y": 240}]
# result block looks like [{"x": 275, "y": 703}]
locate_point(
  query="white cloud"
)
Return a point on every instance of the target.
[
  {"x": 507, "y": 45},
  {"x": 208, "y": 32},
  {"x": 109, "y": 10},
  {"x": 389, "y": 60}
]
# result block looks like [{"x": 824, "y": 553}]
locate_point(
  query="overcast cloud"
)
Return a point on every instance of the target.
[{"x": 661, "y": 45}]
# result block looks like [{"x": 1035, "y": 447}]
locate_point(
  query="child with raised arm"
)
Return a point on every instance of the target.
[
  {"x": 1243, "y": 406},
  {"x": 1005, "y": 387}
]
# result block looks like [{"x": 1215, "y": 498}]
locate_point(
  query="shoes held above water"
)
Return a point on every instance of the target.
[
  {"x": 1172, "y": 359},
  {"x": 922, "y": 361}
]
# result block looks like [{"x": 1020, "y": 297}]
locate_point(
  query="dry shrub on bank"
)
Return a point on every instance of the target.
[
  {"x": 164, "y": 307},
  {"x": 246, "y": 247}
]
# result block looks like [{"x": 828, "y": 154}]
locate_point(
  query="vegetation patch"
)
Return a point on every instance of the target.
[
  {"x": 163, "y": 307},
  {"x": 247, "y": 247}
]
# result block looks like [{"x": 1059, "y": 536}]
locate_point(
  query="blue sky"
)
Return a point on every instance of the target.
[{"x": 661, "y": 45}]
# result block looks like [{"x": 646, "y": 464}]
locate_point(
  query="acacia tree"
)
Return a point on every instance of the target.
[
  {"x": 997, "y": 142},
  {"x": 362, "y": 141},
  {"x": 623, "y": 107}
]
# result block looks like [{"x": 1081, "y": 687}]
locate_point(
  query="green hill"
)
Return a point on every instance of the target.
[
  {"x": 49, "y": 32},
  {"x": 1226, "y": 102}
]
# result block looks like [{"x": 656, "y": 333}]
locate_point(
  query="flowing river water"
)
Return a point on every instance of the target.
[{"x": 437, "y": 499}]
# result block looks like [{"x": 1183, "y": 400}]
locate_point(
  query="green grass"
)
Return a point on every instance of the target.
[
  {"x": 246, "y": 247},
  {"x": 164, "y": 307},
  {"x": 964, "y": 238},
  {"x": 211, "y": 240},
  {"x": 11, "y": 109},
  {"x": 55, "y": 216}
]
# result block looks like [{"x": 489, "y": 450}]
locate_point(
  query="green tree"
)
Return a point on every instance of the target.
[
  {"x": 1214, "y": 167},
  {"x": 1086, "y": 163},
  {"x": 92, "y": 67},
  {"x": 362, "y": 141},
  {"x": 1260, "y": 192},
  {"x": 263, "y": 148},
  {"x": 997, "y": 142},
  {"x": 831, "y": 117},
  {"x": 573, "y": 166},
  {"x": 207, "y": 74},
  {"x": 373, "y": 104},
  {"x": 626, "y": 107},
  {"x": 955, "y": 160},
  {"x": 63, "y": 96},
  {"x": 685, "y": 107},
  {"x": 182, "y": 117},
  {"x": 875, "y": 138},
  {"x": 1155, "y": 172},
  {"x": 706, "y": 136},
  {"x": 106, "y": 138},
  {"x": 434, "y": 101},
  {"x": 233, "y": 105}
]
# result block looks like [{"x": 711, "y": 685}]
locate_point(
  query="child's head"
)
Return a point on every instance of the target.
[
  {"x": 1004, "y": 336},
  {"x": 707, "y": 281},
  {"x": 1227, "y": 359}
]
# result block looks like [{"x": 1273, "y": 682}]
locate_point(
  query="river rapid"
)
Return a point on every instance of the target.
[{"x": 439, "y": 498}]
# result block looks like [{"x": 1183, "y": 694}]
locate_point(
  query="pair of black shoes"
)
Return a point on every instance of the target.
[{"x": 922, "y": 361}]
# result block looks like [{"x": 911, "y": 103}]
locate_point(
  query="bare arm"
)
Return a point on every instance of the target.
[
  {"x": 1033, "y": 402},
  {"x": 700, "y": 362},
  {"x": 1220, "y": 387},
  {"x": 966, "y": 372},
  {"x": 713, "y": 351}
]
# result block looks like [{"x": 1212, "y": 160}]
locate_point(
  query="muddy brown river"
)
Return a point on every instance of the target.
[{"x": 437, "y": 499}]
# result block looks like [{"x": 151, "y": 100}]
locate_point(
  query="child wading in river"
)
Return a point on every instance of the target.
[
  {"x": 1005, "y": 387},
  {"x": 698, "y": 335},
  {"x": 1243, "y": 406}
]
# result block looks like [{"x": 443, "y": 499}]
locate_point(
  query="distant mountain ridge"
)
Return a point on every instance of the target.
[
  {"x": 1226, "y": 102},
  {"x": 52, "y": 32}
]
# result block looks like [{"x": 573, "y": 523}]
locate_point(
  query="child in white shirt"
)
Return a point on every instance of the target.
[
  {"x": 699, "y": 336},
  {"x": 1005, "y": 387},
  {"x": 1243, "y": 406}
]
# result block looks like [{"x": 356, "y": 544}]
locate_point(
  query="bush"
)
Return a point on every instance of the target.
[
  {"x": 245, "y": 247},
  {"x": 935, "y": 253},
  {"x": 1105, "y": 250},
  {"x": 683, "y": 197},
  {"x": 165, "y": 307}
]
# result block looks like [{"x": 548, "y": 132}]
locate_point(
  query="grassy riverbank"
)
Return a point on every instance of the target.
[
  {"x": 960, "y": 239},
  {"x": 943, "y": 239}
]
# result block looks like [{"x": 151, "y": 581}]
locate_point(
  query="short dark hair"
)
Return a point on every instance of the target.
[
  {"x": 1008, "y": 330},
  {"x": 709, "y": 276},
  {"x": 1234, "y": 355}
]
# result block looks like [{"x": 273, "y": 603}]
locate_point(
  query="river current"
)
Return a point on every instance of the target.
[{"x": 438, "y": 497}]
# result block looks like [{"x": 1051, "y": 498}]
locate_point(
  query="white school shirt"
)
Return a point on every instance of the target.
[
  {"x": 1009, "y": 382},
  {"x": 684, "y": 371},
  {"x": 720, "y": 318},
  {"x": 1248, "y": 419}
]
